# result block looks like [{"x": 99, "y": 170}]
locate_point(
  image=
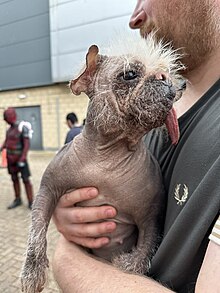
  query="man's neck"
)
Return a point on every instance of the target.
[
  {"x": 77, "y": 125},
  {"x": 199, "y": 81}
]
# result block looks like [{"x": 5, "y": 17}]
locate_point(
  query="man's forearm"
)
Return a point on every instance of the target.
[
  {"x": 76, "y": 271},
  {"x": 26, "y": 146}
]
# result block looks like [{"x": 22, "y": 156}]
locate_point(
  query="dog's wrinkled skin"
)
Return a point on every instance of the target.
[{"x": 129, "y": 95}]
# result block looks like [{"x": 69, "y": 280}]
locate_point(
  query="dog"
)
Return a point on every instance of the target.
[{"x": 131, "y": 90}]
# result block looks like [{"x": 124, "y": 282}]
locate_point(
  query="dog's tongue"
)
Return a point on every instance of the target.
[{"x": 172, "y": 126}]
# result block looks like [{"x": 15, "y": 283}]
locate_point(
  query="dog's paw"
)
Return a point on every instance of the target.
[{"x": 33, "y": 276}]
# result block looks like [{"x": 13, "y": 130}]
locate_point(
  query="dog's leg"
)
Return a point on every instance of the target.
[
  {"x": 33, "y": 275},
  {"x": 139, "y": 259}
]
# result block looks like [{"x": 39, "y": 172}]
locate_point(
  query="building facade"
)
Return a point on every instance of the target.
[{"x": 42, "y": 44}]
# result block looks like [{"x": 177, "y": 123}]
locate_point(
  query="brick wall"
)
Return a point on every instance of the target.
[{"x": 55, "y": 102}]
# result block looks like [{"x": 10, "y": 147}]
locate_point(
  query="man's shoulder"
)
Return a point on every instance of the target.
[
  {"x": 76, "y": 129},
  {"x": 72, "y": 133},
  {"x": 25, "y": 132}
]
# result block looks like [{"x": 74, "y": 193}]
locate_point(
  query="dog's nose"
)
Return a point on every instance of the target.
[
  {"x": 161, "y": 76},
  {"x": 167, "y": 85},
  {"x": 164, "y": 78}
]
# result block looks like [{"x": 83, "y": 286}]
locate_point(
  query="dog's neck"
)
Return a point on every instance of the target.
[{"x": 120, "y": 139}]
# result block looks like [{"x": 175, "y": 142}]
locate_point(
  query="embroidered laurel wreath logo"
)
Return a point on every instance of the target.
[{"x": 183, "y": 198}]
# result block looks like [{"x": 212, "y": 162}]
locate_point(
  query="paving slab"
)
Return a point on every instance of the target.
[{"x": 14, "y": 226}]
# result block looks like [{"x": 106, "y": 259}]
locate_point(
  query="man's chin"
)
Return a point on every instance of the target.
[
  {"x": 143, "y": 34},
  {"x": 147, "y": 29}
]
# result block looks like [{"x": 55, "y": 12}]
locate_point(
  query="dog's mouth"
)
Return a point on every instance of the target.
[
  {"x": 171, "y": 119},
  {"x": 173, "y": 126},
  {"x": 169, "y": 94},
  {"x": 162, "y": 105}
]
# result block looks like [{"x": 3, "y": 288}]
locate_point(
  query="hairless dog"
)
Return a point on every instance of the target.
[{"x": 131, "y": 91}]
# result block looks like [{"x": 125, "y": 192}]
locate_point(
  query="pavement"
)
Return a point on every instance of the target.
[{"x": 14, "y": 226}]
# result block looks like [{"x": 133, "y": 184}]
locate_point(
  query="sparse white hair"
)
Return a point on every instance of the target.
[
  {"x": 152, "y": 53},
  {"x": 130, "y": 46}
]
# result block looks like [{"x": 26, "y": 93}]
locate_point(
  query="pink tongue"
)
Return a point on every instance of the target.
[{"x": 172, "y": 126}]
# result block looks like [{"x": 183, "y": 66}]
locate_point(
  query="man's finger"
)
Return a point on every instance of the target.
[
  {"x": 81, "y": 215},
  {"x": 91, "y": 242},
  {"x": 78, "y": 195},
  {"x": 91, "y": 230}
]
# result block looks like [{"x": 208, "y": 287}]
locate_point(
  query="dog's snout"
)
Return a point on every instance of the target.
[
  {"x": 164, "y": 84},
  {"x": 168, "y": 87},
  {"x": 164, "y": 78},
  {"x": 161, "y": 76}
]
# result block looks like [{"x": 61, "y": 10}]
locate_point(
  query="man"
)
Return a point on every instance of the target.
[
  {"x": 75, "y": 129},
  {"x": 190, "y": 172},
  {"x": 17, "y": 145}
]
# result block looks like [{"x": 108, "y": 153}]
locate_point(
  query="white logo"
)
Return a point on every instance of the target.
[{"x": 183, "y": 198}]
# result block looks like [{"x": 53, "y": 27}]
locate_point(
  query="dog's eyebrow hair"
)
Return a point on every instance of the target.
[{"x": 149, "y": 51}]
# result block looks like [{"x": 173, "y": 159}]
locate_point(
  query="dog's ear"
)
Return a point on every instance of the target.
[{"x": 81, "y": 84}]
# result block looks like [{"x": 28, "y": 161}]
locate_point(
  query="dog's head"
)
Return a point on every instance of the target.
[{"x": 133, "y": 88}]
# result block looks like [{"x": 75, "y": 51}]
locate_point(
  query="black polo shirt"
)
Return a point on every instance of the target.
[{"x": 191, "y": 172}]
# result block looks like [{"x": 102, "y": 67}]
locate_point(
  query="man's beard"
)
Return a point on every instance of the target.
[{"x": 195, "y": 37}]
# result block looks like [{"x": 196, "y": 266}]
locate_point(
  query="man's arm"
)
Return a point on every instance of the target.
[
  {"x": 26, "y": 146},
  {"x": 25, "y": 141},
  {"x": 208, "y": 279},
  {"x": 77, "y": 271}
]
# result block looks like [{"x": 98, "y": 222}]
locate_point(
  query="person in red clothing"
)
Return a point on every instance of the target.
[{"x": 17, "y": 144}]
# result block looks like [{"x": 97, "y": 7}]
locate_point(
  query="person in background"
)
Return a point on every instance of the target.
[
  {"x": 17, "y": 144},
  {"x": 188, "y": 259},
  {"x": 75, "y": 128}
]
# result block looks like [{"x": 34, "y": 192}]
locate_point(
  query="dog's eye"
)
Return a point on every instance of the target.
[{"x": 129, "y": 75}]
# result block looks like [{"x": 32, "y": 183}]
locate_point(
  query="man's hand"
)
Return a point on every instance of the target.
[
  {"x": 21, "y": 164},
  {"x": 83, "y": 225}
]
